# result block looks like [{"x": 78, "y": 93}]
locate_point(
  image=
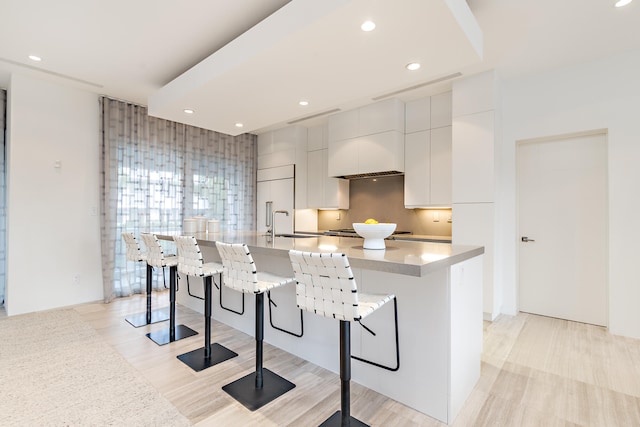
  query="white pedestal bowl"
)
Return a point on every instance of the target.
[{"x": 374, "y": 234}]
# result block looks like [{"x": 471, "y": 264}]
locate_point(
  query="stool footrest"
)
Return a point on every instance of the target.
[
  {"x": 245, "y": 392},
  {"x": 197, "y": 361},
  {"x": 163, "y": 336},
  {"x": 336, "y": 420},
  {"x": 140, "y": 319}
]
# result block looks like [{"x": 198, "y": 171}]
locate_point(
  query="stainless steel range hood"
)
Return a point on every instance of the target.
[{"x": 371, "y": 175}]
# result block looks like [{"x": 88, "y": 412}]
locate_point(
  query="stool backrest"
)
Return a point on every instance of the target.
[
  {"x": 190, "y": 260},
  {"x": 155, "y": 253},
  {"x": 325, "y": 284},
  {"x": 134, "y": 253},
  {"x": 238, "y": 267}
]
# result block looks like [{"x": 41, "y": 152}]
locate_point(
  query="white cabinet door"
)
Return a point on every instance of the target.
[
  {"x": 317, "y": 137},
  {"x": 324, "y": 192},
  {"x": 381, "y": 152},
  {"x": 343, "y": 125},
  {"x": 441, "y": 110},
  {"x": 427, "y": 178},
  {"x": 316, "y": 176},
  {"x": 440, "y": 161},
  {"x": 368, "y": 139},
  {"x": 417, "y": 115},
  {"x": 380, "y": 117},
  {"x": 417, "y": 174},
  {"x": 272, "y": 196},
  {"x": 343, "y": 157}
]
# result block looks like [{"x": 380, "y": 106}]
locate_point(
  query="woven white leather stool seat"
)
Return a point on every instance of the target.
[
  {"x": 157, "y": 258},
  {"x": 134, "y": 253},
  {"x": 326, "y": 286},
  {"x": 239, "y": 272},
  {"x": 155, "y": 253},
  {"x": 191, "y": 263}
]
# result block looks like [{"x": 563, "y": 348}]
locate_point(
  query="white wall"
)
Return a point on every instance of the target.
[
  {"x": 53, "y": 230},
  {"x": 595, "y": 95}
]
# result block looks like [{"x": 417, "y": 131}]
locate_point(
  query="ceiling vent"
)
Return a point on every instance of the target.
[
  {"x": 313, "y": 116},
  {"x": 418, "y": 86}
]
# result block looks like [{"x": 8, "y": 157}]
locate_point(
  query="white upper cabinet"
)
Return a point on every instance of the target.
[
  {"x": 324, "y": 192},
  {"x": 418, "y": 115},
  {"x": 381, "y": 152},
  {"x": 278, "y": 148},
  {"x": 317, "y": 137},
  {"x": 381, "y": 117},
  {"x": 367, "y": 140},
  {"x": 286, "y": 146},
  {"x": 343, "y": 157},
  {"x": 441, "y": 110},
  {"x": 440, "y": 166},
  {"x": 343, "y": 125},
  {"x": 417, "y": 147},
  {"x": 428, "y": 152}
]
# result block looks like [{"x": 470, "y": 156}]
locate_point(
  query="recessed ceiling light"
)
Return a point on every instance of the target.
[
  {"x": 621, "y": 3},
  {"x": 35, "y": 58},
  {"x": 239, "y": 125},
  {"x": 304, "y": 103},
  {"x": 368, "y": 26},
  {"x": 413, "y": 66},
  {"x": 188, "y": 111}
]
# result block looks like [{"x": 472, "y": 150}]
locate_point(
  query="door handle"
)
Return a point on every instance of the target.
[{"x": 526, "y": 239}]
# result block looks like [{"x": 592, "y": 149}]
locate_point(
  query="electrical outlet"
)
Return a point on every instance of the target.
[
  {"x": 76, "y": 279},
  {"x": 337, "y": 215}
]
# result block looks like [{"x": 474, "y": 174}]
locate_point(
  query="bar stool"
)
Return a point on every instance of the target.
[
  {"x": 326, "y": 287},
  {"x": 262, "y": 386},
  {"x": 157, "y": 258},
  {"x": 190, "y": 263},
  {"x": 134, "y": 253}
]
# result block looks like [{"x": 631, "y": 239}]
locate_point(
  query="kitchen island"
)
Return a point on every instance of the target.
[{"x": 438, "y": 288}]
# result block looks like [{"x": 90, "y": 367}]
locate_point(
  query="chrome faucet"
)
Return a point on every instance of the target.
[{"x": 273, "y": 222}]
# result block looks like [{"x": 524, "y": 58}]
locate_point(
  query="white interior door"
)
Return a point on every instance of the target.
[{"x": 562, "y": 211}]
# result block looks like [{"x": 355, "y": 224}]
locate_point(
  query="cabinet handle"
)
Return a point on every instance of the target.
[
  {"x": 526, "y": 239},
  {"x": 269, "y": 208}
]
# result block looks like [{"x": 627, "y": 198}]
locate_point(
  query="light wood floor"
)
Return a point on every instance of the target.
[{"x": 536, "y": 371}]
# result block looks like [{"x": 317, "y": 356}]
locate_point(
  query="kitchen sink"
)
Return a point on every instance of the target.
[{"x": 296, "y": 236}]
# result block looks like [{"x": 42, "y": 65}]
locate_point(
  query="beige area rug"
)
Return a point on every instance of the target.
[{"x": 56, "y": 371}]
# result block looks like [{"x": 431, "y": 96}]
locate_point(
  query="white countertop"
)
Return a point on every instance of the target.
[{"x": 411, "y": 258}]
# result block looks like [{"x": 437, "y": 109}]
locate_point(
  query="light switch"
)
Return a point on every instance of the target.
[{"x": 436, "y": 216}]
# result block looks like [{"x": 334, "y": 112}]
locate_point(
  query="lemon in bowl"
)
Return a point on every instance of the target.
[{"x": 374, "y": 233}]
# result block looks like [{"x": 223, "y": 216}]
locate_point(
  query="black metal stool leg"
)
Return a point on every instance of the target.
[
  {"x": 343, "y": 417},
  {"x": 262, "y": 386},
  {"x": 150, "y": 316},
  {"x": 174, "y": 333},
  {"x": 209, "y": 355}
]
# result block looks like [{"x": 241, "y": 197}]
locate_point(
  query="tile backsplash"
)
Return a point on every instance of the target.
[{"x": 383, "y": 199}]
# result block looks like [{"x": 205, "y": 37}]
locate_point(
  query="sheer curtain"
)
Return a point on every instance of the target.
[
  {"x": 3, "y": 187},
  {"x": 156, "y": 172}
]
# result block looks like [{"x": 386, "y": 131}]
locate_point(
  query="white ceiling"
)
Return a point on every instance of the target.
[{"x": 133, "y": 50}]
